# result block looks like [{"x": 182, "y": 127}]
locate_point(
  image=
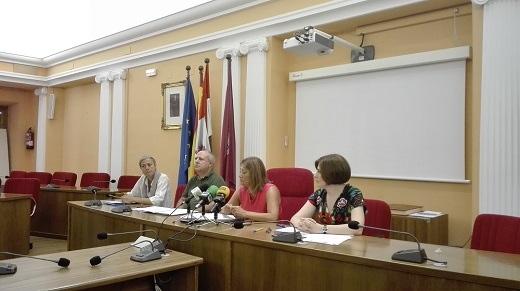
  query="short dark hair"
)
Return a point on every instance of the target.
[{"x": 334, "y": 169}]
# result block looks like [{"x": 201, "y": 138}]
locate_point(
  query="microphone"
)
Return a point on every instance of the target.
[
  {"x": 96, "y": 260},
  {"x": 8, "y": 268},
  {"x": 57, "y": 180},
  {"x": 207, "y": 196},
  {"x": 195, "y": 193},
  {"x": 100, "y": 182},
  {"x": 412, "y": 256},
  {"x": 157, "y": 244},
  {"x": 293, "y": 237},
  {"x": 94, "y": 202},
  {"x": 220, "y": 200}
]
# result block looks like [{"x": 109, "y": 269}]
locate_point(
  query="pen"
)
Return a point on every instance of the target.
[
  {"x": 280, "y": 225},
  {"x": 257, "y": 230}
]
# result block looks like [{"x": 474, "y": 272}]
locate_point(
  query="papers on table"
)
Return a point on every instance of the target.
[
  {"x": 426, "y": 214},
  {"x": 197, "y": 216},
  {"x": 141, "y": 241},
  {"x": 161, "y": 210},
  {"x": 114, "y": 202},
  {"x": 330, "y": 239}
]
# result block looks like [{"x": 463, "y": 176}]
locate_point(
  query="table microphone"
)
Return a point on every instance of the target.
[
  {"x": 412, "y": 256},
  {"x": 148, "y": 253},
  {"x": 94, "y": 202},
  {"x": 108, "y": 181},
  {"x": 293, "y": 237},
  {"x": 96, "y": 260},
  {"x": 57, "y": 180},
  {"x": 8, "y": 268}
]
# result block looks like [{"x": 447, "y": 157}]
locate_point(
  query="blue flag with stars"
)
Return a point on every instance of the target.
[{"x": 188, "y": 129}]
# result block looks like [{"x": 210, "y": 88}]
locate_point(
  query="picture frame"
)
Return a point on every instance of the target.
[{"x": 173, "y": 104}]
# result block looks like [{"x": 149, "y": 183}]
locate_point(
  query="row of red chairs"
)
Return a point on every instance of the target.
[{"x": 101, "y": 180}]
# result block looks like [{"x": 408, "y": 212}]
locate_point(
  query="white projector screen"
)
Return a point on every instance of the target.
[{"x": 405, "y": 123}]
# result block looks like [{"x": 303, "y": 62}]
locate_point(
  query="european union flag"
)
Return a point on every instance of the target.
[{"x": 188, "y": 128}]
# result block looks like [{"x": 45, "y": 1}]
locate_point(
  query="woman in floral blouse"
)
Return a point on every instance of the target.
[{"x": 335, "y": 203}]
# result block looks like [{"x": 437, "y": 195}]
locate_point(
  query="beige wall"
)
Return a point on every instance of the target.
[{"x": 72, "y": 139}]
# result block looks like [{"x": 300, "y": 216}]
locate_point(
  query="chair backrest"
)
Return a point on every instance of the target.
[
  {"x": 178, "y": 193},
  {"x": 295, "y": 185},
  {"x": 101, "y": 180},
  {"x": 498, "y": 233},
  {"x": 378, "y": 215},
  {"x": 17, "y": 174},
  {"x": 44, "y": 177},
  {"x": 64, "y": 178},
  {"x": 127, "y": 182},
  {"x": 24, "y": 186}
]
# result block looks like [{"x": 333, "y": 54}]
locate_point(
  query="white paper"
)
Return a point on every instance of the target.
[
  {"x": 197, "y": 216},
  {"x": 330, "y": 239},
  {"x": 426, "y": 214},
  {"x": 162, "y": 210},
  {"x": 141, "y": 241}
]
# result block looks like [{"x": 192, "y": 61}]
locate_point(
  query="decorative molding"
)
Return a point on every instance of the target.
[
  {"x": 257, "y": 44},
  {"x": 233, "y": 50},
  {"x": 480, "y": 2},
  {"x": 119, "y": 74},
  {"x": 101, "y": 78},
  {"x": 41, "y": 91}
]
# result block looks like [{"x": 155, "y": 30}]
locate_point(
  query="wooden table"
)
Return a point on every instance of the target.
[
  {"x": 427, "y": 230},
  {"x": 50, "y": 218},
  {"x": 240, "y": 259},
  {"x": 15, "y": 223},
  {"x": 116, "y": 272}
]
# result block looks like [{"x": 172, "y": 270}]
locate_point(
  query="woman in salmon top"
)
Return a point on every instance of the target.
[{"x": 256, "y": 199}]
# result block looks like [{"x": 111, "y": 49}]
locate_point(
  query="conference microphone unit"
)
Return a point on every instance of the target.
[
  {"x": 8, "y": 268},
  {"x": 94, "y": 202},
  {"x": 100, "y": 182},
  {"x": 412, "y": 256},
  {"x": 51, "y": 185},
  {"x": 293, "y": 237},
  {"x": 147, "y": 253},
  {"x": 96, "y": 260}
]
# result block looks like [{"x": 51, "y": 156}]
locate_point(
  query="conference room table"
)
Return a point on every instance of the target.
[
  {"x": 50, "y": 218},
  {"x": 14, "y": 223},
  {"x": 175, "y": 271},
  {"x": 241, "y": 259}
]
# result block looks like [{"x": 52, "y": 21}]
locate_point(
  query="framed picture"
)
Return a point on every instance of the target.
[{"x": 173, "y": 104}]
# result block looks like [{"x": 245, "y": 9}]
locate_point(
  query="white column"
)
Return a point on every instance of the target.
[
  {"x": 105, "y": 122},
  {"x": 234, "y": 51},
  {"x": 118, "y": 125},
  {"x": 255, "y": 116},
  {"x": 41, "y": 130},
  {"x": 500, "y": 108}
]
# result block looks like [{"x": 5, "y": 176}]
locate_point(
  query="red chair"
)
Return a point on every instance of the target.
[
  {"x": 64, "y": 178},
  {"x": 101, "y": 180},
  {"x": 378, "y": 215},
  {"x": 44, "y": 177},
  {"x": 497, "y": 233},
  {"x": 127, "y": 182},
  {"x": 17, "y": 174},
  {"x": 295, "y": 185},
  {"x": 24, "y": 186}
]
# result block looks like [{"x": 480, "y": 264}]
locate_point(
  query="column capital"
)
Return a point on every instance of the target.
[
  {"x": 101, "y": 78},
  {"x": 480, "y": 2},
  {"x": 117, "y": 74},
  {"x": 259, "y": 44},
  {"x": 41, "y": 91},
  {"x": 233, "y": 50}
]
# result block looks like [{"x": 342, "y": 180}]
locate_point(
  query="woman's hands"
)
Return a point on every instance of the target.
[
  {"x": 237, "y": 211},
  {"x": 309, "y": 225}
]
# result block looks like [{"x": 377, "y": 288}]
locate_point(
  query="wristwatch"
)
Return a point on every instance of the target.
[{"x": 325, "y": 228}]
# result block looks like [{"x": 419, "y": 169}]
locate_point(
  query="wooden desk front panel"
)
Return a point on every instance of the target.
[
  {"x": 239, "y": 259},
  {"x": 427, "y": 230},
  {"x": 50, "y": 218},
  {"x": 14, "y": 223}
]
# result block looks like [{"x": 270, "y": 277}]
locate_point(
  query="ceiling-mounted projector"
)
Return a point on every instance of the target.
[{"x": 311, "y": 43}]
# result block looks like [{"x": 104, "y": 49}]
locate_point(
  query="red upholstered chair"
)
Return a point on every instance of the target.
[
  {"x": 295, "y": 185},
  {"x": 498, "y": 233},
  {"x": 17, "y": 174},
  {"x": 178, "y": 193},
  {"x": 127, "y": 182},
  {"x": 101, "y": 180},
  {"x": 380, "y": 216},
  {"x": 64, "y": 178},
  {"x": 24, "y": 186},
  {"x": 44, "y": 177}
]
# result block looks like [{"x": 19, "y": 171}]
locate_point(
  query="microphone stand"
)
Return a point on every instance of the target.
[{"x": 94, "y": 202}]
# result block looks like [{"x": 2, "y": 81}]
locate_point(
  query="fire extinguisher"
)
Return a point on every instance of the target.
[{"x": 29, "y": 139}]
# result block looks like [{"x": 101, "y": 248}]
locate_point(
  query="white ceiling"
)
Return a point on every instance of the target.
[{"x": 40, "y": 29}]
